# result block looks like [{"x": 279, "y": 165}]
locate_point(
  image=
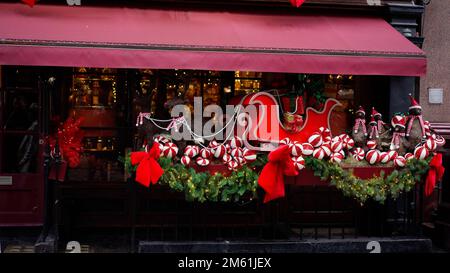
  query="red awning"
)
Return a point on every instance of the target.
[{"x": 167, "y": 39}]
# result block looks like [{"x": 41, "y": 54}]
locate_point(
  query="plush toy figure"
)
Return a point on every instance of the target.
[
  {"x": 399, "y": 142},
  {"x": 359, "y": 132},
  {"x": 416, "y": 129},
  {"x": 379, "y": 130}
]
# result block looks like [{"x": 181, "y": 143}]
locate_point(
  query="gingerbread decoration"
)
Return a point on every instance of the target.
[{"x": 359, "y": 132}]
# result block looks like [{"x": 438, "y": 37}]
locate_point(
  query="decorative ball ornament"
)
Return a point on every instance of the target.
[
  {"x": 249, "y": 155},
  {"x": 307, "y": 149},
  {"x": 384, "y": 157},
  {"x": 161, "y": 139},
  {"x": 358, "y": 154},
  {"x": 336, "y": 158},
  {"x": 337, "y": 145},
  {"x": 205, "y": 153},
  {"x": 202, "y": 161},
  {"x": 342, "y": 153},
  {"x": 392, "y": 155},
  {"x": 349, "y": 143},
  {"x": 185, "y": 160},
  {"x": 226, "y": 158},
  {"x": 191, "y": 151},
  {"x": 421, "y": 152},
  {"x": 285, "y": 141},
  {"x": 228, "y": 147},
  {"x": 373, "y": 156},
  {"x": 296, "y": 148},
  {"x": 213, "y": 145},
  {"x": 169, "y": 150},
  {"x": 371, "y": 144},
  {"x": 325, "y": 132},
  {"x": 240, "y": 160},
  {"x": 315, "y": 139},
  {"x": 326, "y": 149},
  {"x": 343, "y": 136},
  {"x": 236, "y": 142},
  {"x": 409, "y": 156},
  {"x": 236, "y": 152},
  {"x": 319, "y": 153},
  {"x": 400, "y": 161},
  {"x": 299, "y": 163},
  {"x": 220, "y": 151},
  {"x": 431, "y": 144},
  {"x": 232, "y": 165}
]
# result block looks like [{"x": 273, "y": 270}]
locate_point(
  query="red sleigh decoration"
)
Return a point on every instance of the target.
[{"x": 266, "y": 127}]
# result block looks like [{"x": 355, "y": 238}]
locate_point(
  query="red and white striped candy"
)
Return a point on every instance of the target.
[
  {"x": 299, "y": 163},
  {"x": 336, "y": 157},
  {"x": 343, "y": 136},
  {"x": 185, "y": 160},
  {"x": 440, "y": 141},
  {"x": 392, "y": 155},
  {"x": 169, "y": 150},
  {"x": 319, "y": 153},
  {"x": 232, "y": 165},
  {"x": 358, "y": 154},
  {"x": 325, "y": 132},
  {"x": 296, "y": 148},
  {"x": 236, "y": 142},
  {"x": 161, "y": 139},
  {"x": 307, "y": 149},
  {"x": 337, "y": 145},
  {"x": 349, "y": 143},
  {"x": 236, "y": 152},
  {"x": 205, "y": 153},
  {"x": 220, "y": 151},
  {"x": 371, "y": 144},
  {"x": 315, "y": 139},
  {"x": 191, "y": 151},
  {"x": 226, "y": 158},
  {"x": 421, "y": 152},
  {"x": 228, "y": 147},
  {"x": 431, "y": 144},
  {"x": 285, "y": 141},
  {"x": 342, "y": 153},
  {"x": 373, "y": 156},
  {"x": 213, "y": 144},
  {"x": 409, "y": 156},
  {"x": 326, "y": 149},
  {"x": 240, "y": 160},
  {"x": 400, "y": 161},
  {"x": 202, "y": 161},
  {"x": 249, "y": 155},
  {"x": 384, "y": 157}
]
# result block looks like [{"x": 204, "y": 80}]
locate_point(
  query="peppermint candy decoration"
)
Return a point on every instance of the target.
[
  {"x": 236, "y": 152},
  {"x": 440, "y": 141},
  {"x": 336, "y": 145},
  {"x": 409, "y": 156},
  {"x": 185, "y": 160},
  {"x": 371, "y": 144},
  {"x": 349, "y": 143},
  {"x": 240, "y": 160},
  {"x": 202, "y": 161},
  {"x": 220, "y": 151},
  {"x": 228, "y": 147},
  {"x": 232, "y": 165},
  {"x": 326, "y": 149},
  {"x": 315, "y": 139},
  {"x": 296, "y": 148},
  {"x": 205, "y": 153},
  {"x": 336, "y": 158},
  {"x": 421, "y": 152},
  {"x": 213, "y": 145},
  {"x": 325, "y": 132},
  {"x": 343, "y": 137},
  {"x": 169, "y": 150},
  {"x": 358, "y": 154},
  {"x": 373, "y": 156},
  {"x": 342, "y": 153},
  {"x": 236, "y": 142},
  {"x": 249, "y": 155},
  {"x": 226, "y": 158},
  {"x": 319, "y": 153},
  {"x": 307, "y": 149},
  {"x": 191, "y": 151},
  {"x": 161, "y": 139},
  {"x": 285, "y": 141},
  {"x": 392, "y": 155},
  {"x": 299, "y": 163},
  {"x": 400, "y": 161},
  {"x": 431, "y": 144},
  {"x": 384, "y": 157}
]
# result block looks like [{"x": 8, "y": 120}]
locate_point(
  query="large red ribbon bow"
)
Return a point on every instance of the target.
[
  {"x": 297, "y": 3},
  {"x": 435, "y": 174},
  {"x": 272, "y": 175},
  {"x": 29, "y": 2},
  {"x": 148, "y": 170}
]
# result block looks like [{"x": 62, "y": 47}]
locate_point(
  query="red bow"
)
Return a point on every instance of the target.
[
  {"x": 148, "y": 170},
  {"x": 435, "y": 174},
  {"x": 272, "y": 175},
  {"x": 297, "y": 3},
  {"x": 29, "y": 2}
]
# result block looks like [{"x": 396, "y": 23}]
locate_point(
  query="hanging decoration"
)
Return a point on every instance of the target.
[{"x": 69, "y": 137}]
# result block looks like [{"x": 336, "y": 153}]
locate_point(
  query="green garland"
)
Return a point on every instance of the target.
[{"x": 241, "y": 185}]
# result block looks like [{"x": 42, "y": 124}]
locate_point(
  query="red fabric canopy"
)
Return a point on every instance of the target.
[{"x": 166, "y": 39}]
